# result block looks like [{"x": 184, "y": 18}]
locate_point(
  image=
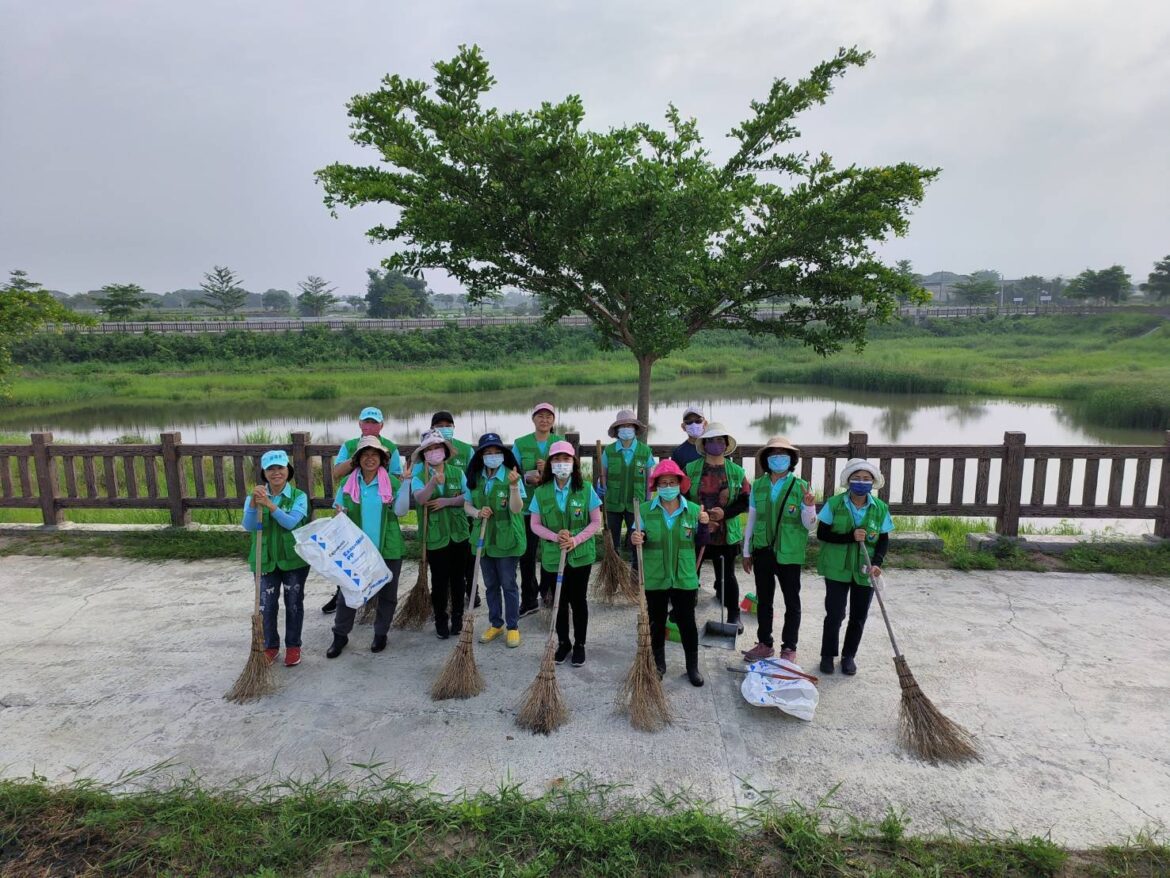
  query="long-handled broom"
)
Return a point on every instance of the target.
[
  {"x": 641, "y": 695},
  {"x": 256, "y": 680},
  {"x": 615, "y": 579},
  {"x": 542, "y": 708},
  {"x": 460, "y": 678},
  {"x": 923, "y": 728},
  {"x": 414, "y": 611}
]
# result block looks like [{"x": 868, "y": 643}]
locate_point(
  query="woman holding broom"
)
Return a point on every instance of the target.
[
  {"x": 276, "y": 508},
  {"x": 439, "y": 484},
  {"x": 670, "y": 524},
  {"x": 566, "y": 513},
  {"x": 495, "y": 493},
  {"x": 847, "y": 521},
  {"x": 374, "y": 500},
  {"x": 624, "y": 479},
  {"x": 531, "y": 451}
]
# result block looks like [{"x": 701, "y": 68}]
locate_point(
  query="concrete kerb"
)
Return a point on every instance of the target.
[{"x": 1051, "y": 544}]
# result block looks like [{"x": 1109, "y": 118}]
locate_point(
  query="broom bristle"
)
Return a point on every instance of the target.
[
  {"x": 414, "y": 611},
  {"x": 615, "y": 579},
  {"x": 542, "y": 708},
  {"x": 641, "y": 695},
  {"x": 365, "y": 616},
  {"x": 460, "y": 678},
  {"x": 256, "y": 680},
  {"x": 925, "y": 730}
]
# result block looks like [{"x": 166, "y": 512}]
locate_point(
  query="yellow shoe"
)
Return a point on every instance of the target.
[
  {"x": 490, "y": 635},
  {"x": 514, "y": 638}
]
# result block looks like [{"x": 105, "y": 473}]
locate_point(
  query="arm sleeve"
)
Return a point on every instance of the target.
[
  {"x": 516, "y": 500},
  {"x": 469, "y": 508},
  {"x": 825, "y": 534},
  {"x": 808, "y": 516},
  {"x": 540, "y": 530},
  {"x": 738, "y": 506},
  {"x": 879, "y": 552},
  {"x": 748, "y": 530},
  {"x": 251, "y": 516},
  {"x": 402, "y": 500},
  {"x": 590, "y": 529}
]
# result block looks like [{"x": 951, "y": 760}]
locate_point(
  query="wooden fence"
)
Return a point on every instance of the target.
[{"x": 1006, "y": 482}]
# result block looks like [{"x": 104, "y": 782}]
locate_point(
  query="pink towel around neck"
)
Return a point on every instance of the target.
[{"x": 354, "y": 489}]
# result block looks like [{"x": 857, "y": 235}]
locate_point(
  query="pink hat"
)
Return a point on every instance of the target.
[
  {"x": 562, "y": 447},
  {"x": 669, "y": 468},
  {"x": 543, "y": 406}
]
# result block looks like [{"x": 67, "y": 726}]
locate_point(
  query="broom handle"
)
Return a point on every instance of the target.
[
  {"x": 259, "y": 561},
  {"x": 557, "y": 593},
  {"x": 597, "y": 477},
  {"x": 881, "y": 603},
  {"x": 426, "y": 518},
  {"x": 638, "y": 549},
  {"x": 469, "y": 608}
]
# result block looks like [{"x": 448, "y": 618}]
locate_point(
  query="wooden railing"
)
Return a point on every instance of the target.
[{"x": 1006, "y": 482}]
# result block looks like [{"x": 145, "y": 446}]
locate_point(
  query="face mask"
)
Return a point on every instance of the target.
[
  {"x": 493, "y": 461},
  {"x": 446, "y": 432},
  {"x": 370, "y": 429},
  {"x": 669, "y": 493},
  {"x": 562, "y": 469},
  {"x": 779, "y": 463},
  {"x": 861, "y": 488},
  {"x": 625, "y": 433},
  {"x": 715, "y": 447},
  {"x": 435, "y": 456},
  {"x": 694, "y": 430}
]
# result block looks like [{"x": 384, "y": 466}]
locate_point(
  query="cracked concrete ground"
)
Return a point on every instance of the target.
[{"x": 109, "y": 665}]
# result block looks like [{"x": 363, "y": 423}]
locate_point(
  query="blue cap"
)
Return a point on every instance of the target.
[
  {"x": 487, "y": 440},
  {"x": 371, "y": 413},
  {"x": 276, "y": 457}
]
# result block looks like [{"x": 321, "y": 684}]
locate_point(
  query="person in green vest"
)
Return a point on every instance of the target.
[
  {"x": 531, "y": 451},
  {"x": 370, "y": 423},
  {"x": 566, "y": 513},
  {"x": 444, "y": 422},
  {"x": 781, "y": 512},
  {"x": 495, "y": 491},
  {"x": 374, "y": 500},
  {"x": 719, "y": 485},
  {"x": 276, "y": 507},
  {"x": 439, "y": 484},
  {"x": 670, "y": 525},
  {"x": 847, "y": 521},
  {"x": 625, "y": 477}
]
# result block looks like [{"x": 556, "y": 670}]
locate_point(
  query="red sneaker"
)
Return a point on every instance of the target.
[
  {"x": 272, "y": 655},
  {"x": 788, "y": 655},
  {"x": 292, "y": 656},
  {"x": 759, "y": 652}
]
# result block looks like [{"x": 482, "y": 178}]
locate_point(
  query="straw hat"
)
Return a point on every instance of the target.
[
  {"x": 374, "y": 443},
  {"x": 624, "y": 417},
  {"x": 714, "y": 429},
  {"x": 776, "y": 443},
  {"x": 860, "y": 464},
  {"x": 430, "y": 439}
]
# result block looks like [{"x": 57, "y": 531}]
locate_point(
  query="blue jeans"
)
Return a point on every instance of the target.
[
  {"x": 293, "y": 584},
  {"x": 499, "y": 575}
]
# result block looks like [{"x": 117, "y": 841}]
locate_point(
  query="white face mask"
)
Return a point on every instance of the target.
[
  {"x": 561, "y": 469},
  {"x": 695, "y": 430},
  {"x": 436, "y": 457},
  {"x": 492, "y": 461}
]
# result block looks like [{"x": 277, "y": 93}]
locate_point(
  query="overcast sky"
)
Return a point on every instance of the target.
[{"x": 146, "y": 141}]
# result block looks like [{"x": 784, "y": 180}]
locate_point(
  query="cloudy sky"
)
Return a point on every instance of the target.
[{"x": 146, "y": 141}]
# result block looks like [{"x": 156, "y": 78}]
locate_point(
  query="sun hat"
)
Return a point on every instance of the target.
[
  {"x": 562, "y": 447},
  {"x": 374, "y": 443},
  {"x": 442, "y": 416},
  {"x": 669, "y": 468},
  {"x": 430, "y": 439},
  {"x": 276, "y": 457},
  {"x": 486, "y": 441},
  {"x": 860, "y": 464},
  {"x": 776, "y": 443},
  {"x": 714, "y": 429},
  {"x": 543, "y": 406},
  {"x": 371, "y": 413},
  {"x": 624, "y": 417}
]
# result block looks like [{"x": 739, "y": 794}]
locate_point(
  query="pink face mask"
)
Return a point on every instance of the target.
[
  {"x": 435, "y": 456},
  {"x": 370, "y": 429}
]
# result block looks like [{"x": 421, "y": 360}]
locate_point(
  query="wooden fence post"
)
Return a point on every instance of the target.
[
  {"x": 176, "y": 479},
  {"x": 46, "y": 478},
  {"x": 1162, "y": 528},
  {"x": 300, "y": 460},
  {"x": 1011, "y": 483},
  {"x": 574, "y": 439},
  {"x": 858, "y": 443}
]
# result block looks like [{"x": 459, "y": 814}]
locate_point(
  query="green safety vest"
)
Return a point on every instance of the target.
[
  {"x": 505, "y": 536},
  {"x": 626, "y": 485},
  {"x": 574, "y": 518},
  {"x": 668, "y": 554},
  {"x": 448, "y": 525},
  {"x": 392, "y": 547},
  {"x": 279, "y": 545},
  {"x": 843, "y": 561},
  {"x": 463, "y": 453},
  {"x": 778, "y": 525},
  {"x": 735, "y": 476},
  {"x": 351, "y": 446},
  {"x": 530, "y": 452}
]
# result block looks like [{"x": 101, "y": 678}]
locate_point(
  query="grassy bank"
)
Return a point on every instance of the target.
[{"x": 386, "y": 827}]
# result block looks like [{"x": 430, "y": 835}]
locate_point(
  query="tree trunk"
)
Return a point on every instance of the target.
[{"x": 645, "y": 365}]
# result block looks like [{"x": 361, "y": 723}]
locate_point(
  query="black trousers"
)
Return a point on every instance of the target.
[
  {"x": 528, "y": 580},
  {"x": 767, "y": 572},
  {"x": 574, "y": 590},
  {"x": 837, "y": 594},
  {"x": 448, "y": 584},
  {"x": 385, "y": 602},
  {"x": 724, "y": 559},
  {"x": 682, "y": 601}
]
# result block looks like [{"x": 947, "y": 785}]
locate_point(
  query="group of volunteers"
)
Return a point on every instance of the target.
[{"x": 534, "y": 507}]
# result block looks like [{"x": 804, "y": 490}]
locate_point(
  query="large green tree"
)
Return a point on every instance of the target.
[
  {"x": 395, "y": 294},
  {"x": 222, "y": 291},
  {"x": 25, "y": 308},
  {"x": 276, "y": 300},
  {"x": 976, "y": 290},
  {"x": 1110, "y": 284},
  {"x": 1157, "y": 285},
  {"x": 120, "y": 301},
  {"x": 637, "y": 227},
  {"x": 316, "y": 296}
]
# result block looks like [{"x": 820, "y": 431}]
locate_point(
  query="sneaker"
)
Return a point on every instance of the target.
[
  {"x": 513, "y": 638},
  {"x": 379, "y": 643},
  {"x": 491, "y": 634},
  {"x": 848, "y": 665},
  {"x": 331, "y": 605},
  {"x": 563, "y": 651},
  {"x": 529, "y": 610},
  {"x": 271, "y": 655},
  {"x": 292, "y": 656},
  {"x": 442, "y": 632},
  {"x": 578, "y": 655},
  {"x": 758, "y": 653},
  {"x": 335, "y": 648},
  {"x": 827, "y": 664},
  {"x": 788, "y": 655}
]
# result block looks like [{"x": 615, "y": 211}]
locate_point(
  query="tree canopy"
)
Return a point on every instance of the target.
[
  {"x": 24, "y": 309},
  {"x": 395, "y": 294},
  {"x": 222, "y": 291},
  {"x": 1110, "y": 284},
  {"x": 316, "y": 296},
  {"x": 1157, "y": 285},
  {"x": 120, "y": 301}
]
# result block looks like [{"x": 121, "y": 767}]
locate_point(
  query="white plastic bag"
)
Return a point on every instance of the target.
[
  {"x": 341, "y": 552},
  {"x": 797, "y": 697}
]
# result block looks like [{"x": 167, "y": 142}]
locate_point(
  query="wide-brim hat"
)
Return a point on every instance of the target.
[
  {"x": 490, "y": 440},
  {"x": 430, "y": 439},
  {"x": 776, "y": 443},
  {"x": 714, "y": 429},
  {"x": 625, "y": 416},
  {"x": 860, "y": 464},
  {"x": 669, "y": 468},
  {"x": 367, "y": 442}
]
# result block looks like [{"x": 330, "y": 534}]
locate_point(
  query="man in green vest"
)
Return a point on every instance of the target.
[
  {"x": 531, "y": 452},
  {"x": 625, "y": 476}
]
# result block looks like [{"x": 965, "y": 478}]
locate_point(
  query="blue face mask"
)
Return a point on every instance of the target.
[
  {"x": 447, "y": 432},
  {"x": 492, "y": 461},
  {"x": 860, "y": 488},
  {"x": 668, "y": 493},
  {"x": 625, "y": 433},
  {"x": 779, "y": 463}
]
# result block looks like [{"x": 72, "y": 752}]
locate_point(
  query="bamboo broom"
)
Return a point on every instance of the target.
[
  {"x": 923, "y": 728},
  {"x": 641, "y": 695},
  {"x": 416, "y": 609},
  {"x": 460, "y": 678},
  {"x": 542, "y": 708},
  {"x": 615, "y": 579},
  {"x": 256, "y": 680}
]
